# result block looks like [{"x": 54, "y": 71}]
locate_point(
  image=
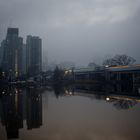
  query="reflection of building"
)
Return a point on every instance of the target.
[
  {"x": 119, "y": 101},
  {"x": 34, "y": 109},
  {"x": 33, "y": 55},
  {"x": 12, "y": 56},
  {"x": 12, "y": 112},
  {"x": 16, "y": 107}
]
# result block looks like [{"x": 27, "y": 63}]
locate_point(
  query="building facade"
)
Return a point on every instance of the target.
[
  {"x": 33, "y": 56},
  {"x": 1, "y": 52},
  {"x": 12, "y": 53},
  {"x": 24, "y": 59}
]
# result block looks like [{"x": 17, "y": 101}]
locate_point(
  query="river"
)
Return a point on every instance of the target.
[{"x": 64, "y": 114}]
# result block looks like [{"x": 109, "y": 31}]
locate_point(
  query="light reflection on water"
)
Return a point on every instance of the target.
[{"x": 63, "y": 114}]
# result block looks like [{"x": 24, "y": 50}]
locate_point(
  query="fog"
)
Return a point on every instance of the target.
[{"x": 81, "y": 31}]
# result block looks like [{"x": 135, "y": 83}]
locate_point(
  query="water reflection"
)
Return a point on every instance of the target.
[
  {"x": 18, "y": 106},
  {"x": 119, "y": 100},
  {"x": 34, "y": 109},
  {"x": 68, "y": 112},
  {"x": 124, "y": 104}
]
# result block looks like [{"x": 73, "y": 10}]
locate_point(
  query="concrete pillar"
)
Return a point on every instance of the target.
[
  {"x": 133, "y": 80},
  {"x": 118, "y": 76}
]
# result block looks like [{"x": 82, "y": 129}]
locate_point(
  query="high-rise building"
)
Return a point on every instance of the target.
[
  {"x": 12, "y": 53},
  {"x": 33, "y": 55},
  {"x": 24, "y": 59},
  {"x": 1, "y": 52}
]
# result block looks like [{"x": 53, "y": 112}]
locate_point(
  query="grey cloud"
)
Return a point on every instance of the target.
[{"x": 76, "y": 30}]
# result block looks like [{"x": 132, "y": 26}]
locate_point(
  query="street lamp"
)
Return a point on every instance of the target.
[{"x": 3, "y": 74}]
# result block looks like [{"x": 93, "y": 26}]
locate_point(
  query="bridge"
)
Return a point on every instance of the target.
[{"x": 121, "y": 78}]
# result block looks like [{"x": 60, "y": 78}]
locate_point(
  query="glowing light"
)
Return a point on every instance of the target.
[
  {"x": 16, "y": 100},
  {"x": 66, "y": 72},
  {"x": 16, "y": 91},
  {"x": 107, "y": 98},
  {"x": 16, "y": 73},
  {"x": 3, "y": 73},
  {"x": 66, "y": 92}
]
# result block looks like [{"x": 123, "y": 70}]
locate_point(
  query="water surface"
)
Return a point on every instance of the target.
[{"x": 67, "y": 115}]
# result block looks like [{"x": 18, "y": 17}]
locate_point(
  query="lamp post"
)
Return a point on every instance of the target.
[{"x": 3, "y": 74}]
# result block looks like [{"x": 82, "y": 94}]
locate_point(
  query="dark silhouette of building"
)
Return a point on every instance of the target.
[
  {"x": 34, "y": 109},
  {"x": 24, "y": 59},
  {"x": 1, "y": 52},
  {"x": 16, "y": 105},
  {"x": 33, "y": 55},
  {"x": 12, "y": 53},
  {"x": 12, "y": 117}
]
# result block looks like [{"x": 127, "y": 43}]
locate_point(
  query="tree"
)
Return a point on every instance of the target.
[
  {"x": 121, "y": 60},
  {"x": 58, "y": 74},
  {"x": 92, "y": 65}
]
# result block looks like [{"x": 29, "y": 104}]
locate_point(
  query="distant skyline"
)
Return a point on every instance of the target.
[{"x": 76, "y": 30}]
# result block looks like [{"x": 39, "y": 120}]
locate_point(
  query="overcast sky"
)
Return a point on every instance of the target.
[{"x": 81, "y": 31}]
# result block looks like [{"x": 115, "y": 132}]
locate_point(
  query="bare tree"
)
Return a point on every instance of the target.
[
  {"x": 119, "y": 60},
  {"x": 92, "y": 64}
]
